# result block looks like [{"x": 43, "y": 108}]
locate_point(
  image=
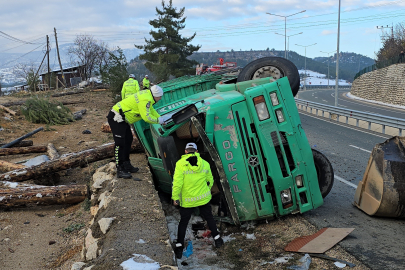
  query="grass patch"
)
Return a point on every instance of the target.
[{"x": 73, "y": 227}]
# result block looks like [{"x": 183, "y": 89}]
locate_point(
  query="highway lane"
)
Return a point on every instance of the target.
[
  {"x": 328, "y": 97},
  {"x": 377, "y": 242}
]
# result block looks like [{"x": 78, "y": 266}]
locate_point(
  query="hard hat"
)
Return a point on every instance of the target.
[
  {"x": 131, "y": 75},
  {"x": 146, "y": 75},
  {"x": 191, "y": 146},
  {"x": 157, "y": 91}
]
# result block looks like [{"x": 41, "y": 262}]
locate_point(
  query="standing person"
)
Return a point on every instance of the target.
[
  {"x": 130, "y": 86},
  {"x": 146, "y": 82},
  {"x": 192, "y": 183},
  {"x": 123, "y": 114}
]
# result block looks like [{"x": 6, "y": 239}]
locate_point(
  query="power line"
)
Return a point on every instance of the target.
[
  {"x": 20, "y": 56},
  {"x": 5, "y": 35}
]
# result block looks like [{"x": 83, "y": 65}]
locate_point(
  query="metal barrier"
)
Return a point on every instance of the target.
[
  {"x": 357, "y": 115},
  {"x": 326, "y": 87}
]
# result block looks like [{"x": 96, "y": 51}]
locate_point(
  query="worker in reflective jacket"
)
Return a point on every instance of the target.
[
  {"x": 146, "y": 82},
  {"x": 192, "y": 182},
  {"x": 129, "y": 87},
  {"x": 138, "y": 106}
]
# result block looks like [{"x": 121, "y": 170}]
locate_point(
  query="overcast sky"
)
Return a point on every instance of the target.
[{"x": 219, "y": 24}]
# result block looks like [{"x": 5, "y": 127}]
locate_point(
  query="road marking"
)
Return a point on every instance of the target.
[
  {"x": 345, "y": 181},
  {"x": 360, "y": 148}
]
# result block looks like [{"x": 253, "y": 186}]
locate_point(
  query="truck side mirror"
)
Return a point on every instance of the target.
[{"x": 185, "y": 114}]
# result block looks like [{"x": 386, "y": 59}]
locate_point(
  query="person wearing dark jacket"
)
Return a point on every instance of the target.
[{"x": 192, "y": 183}]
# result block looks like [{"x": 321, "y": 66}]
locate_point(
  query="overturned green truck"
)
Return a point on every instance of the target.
[{"x": 248, "y": 128}]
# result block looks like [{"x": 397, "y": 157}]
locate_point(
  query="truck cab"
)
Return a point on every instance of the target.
[{"x": 250, "y": 133}]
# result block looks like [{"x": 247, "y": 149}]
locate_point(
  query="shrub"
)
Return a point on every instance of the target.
[{"x": 38, "y": 110}]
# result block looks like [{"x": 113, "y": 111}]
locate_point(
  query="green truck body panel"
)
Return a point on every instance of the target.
[{"x": 261, "y": 158}]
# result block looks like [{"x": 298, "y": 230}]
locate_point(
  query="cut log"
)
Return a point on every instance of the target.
[
  {"x": 99, "y": 90},
  {"x": 67, "y": 93},
  {"x": 52, "y": 152},
  {"x": 20, "y": 144},
  {"x": 65, "y": 162},
  {"x": 17, "y": 194},
  {"x": 22, "y": 150},
  {"x": 79, "y": 115},
  {"x": 8, "y": 110},
  {"x": 105, "y": 127},
  {"x": 22, "y": 138},
  {"x": 6, "y": 166}
]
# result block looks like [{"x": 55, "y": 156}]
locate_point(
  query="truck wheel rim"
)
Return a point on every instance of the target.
[{"x": 268, "y": 71}]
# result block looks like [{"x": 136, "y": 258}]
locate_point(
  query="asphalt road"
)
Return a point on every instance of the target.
[
  {"x": 328, "y": 97},
  {"x": 377, "y": 242}
]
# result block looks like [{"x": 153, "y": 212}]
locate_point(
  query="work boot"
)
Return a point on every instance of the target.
[
  {"x": 121, "y": 173},
  {"x": 179, "y": 250},
  {"x": 129, "y": 168},
  {"x": 219, "y": 242}
]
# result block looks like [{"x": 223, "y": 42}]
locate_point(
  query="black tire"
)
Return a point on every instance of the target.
[
  {"x": 279, "y": 67},
  {"x": 324, "y": 171}
]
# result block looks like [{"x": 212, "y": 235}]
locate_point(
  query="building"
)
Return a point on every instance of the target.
[{"x": 73, "y": 76}]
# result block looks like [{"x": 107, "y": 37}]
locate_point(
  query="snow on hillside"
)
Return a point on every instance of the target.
[{"x": 315, "y": 78}]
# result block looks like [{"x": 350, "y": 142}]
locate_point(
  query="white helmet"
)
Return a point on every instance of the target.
[
  {"x": 157, "y": 91},
  {"x": 131, "y": 75},
  {"x": 146, "y": 75}
]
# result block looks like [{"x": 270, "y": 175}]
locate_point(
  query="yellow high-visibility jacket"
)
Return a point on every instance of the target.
[
  {"x": 192, "y": 184},
  {"x": 145, "y": 83},
  {"x": 129, "y": 87},
  {"x": 138, "y": 106}
]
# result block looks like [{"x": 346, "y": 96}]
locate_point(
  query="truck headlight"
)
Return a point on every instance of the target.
[
  {"x": 261, "y": 108},
  {"x": 280, "y": 116},
  {"x": 298, "y": 181},
  {"x": 286, "y": 197},
  {"x": 274, "y": 99}
]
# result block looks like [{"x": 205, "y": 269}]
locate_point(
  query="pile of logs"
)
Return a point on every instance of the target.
[{"x": 13, "y": 193}]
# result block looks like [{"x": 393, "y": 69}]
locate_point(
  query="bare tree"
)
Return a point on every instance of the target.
[
  {"x": 88, "y": 52},
  {"x": 29, "y": 73}
]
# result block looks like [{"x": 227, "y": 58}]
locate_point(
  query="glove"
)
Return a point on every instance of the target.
[
  {"x": 118, "y": 118},
  {"x": 161, "y": 121}
]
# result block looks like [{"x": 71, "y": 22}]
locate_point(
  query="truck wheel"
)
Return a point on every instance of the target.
[
  {"x": 324, "y": 171},
  {"x": 275, "y": 67}
]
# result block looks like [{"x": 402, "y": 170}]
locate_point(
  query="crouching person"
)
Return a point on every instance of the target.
[
  {"x": 192, "y": 183},
  {"x": 133, "y": 108}
]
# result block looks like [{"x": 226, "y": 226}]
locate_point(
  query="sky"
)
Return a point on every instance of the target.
[{"x": 219, "y": 24}]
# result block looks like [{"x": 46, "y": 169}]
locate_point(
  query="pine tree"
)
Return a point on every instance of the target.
[
  {"x": 114, "y": 72},
  {"x": 167, "y": 51}
]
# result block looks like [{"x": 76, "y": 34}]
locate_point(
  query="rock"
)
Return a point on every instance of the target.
[
  {"x": 94, "y": 210},
  {"x": 99, "y": 178},
  {"x": 88, "y": 268},
  {"x": 52, "y": 242},
  {"x": 77, "y": 266},
  {"x": 105, "y": 224},
  {"x": 91, "y": 246},
  {"x": 105, "y": 200},
  {"x": 86, "y": 131}
]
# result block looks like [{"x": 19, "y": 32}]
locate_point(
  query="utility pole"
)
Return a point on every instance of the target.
[
  {"x": 337, "y": 60},
  {"x": 328, "y": 63},
  {"x": 49, "y": 69},
  {"x": 60, "y": 64},
  {"x": 305, "y": 77},
  {"x": 285, "y": 29}
]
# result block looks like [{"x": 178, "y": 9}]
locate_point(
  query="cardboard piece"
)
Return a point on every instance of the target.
[{"x": 319, "y": 242}]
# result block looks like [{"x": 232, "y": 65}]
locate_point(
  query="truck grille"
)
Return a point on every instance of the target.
[
  {"x": 249, "y": 145},
  {"x": 279, "y": 152}
]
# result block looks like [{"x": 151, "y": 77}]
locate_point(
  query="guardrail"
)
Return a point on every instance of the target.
[
  {"x": 369, "y": 118},
  {"x": 326, "y": 87}
]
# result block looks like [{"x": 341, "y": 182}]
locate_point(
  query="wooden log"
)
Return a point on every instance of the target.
[
  {"x": 64, "y": 162},
  {"x": 6, "y": 166},
  {"x": 22, "y": 150},
  {"x": 21, "y": 102},
  {"x": 67, "y": 93},
  {"x": 52, "y": 152},
  {"x": 17, "y": 194},
  {"x": 20, "y": 144},
  {"x": 99, "y": 90},
  {"x": 79, "y": 114},
  {"x": 8, "y": 110}
]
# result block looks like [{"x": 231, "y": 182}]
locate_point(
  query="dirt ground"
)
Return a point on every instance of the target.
[{"x": 51, "y": 237}]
